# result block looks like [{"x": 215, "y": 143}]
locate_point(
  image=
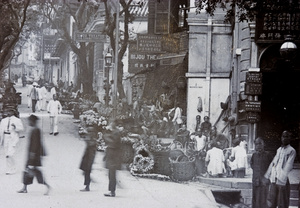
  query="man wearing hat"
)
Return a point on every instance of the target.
[
  {"x": 34, "y": 96},
  {"x": 10, "y": 127},
  {"x": 35, "y": 151}
]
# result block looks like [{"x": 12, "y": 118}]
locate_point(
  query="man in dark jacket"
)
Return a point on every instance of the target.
[
  {"x": 36, "y": 150},
  {"x": 113, "y": 156},
  {"x": 88, "y": 157},
  {"x": 260, "y": 162}
]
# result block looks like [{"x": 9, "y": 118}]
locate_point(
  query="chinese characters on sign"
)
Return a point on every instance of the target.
[
  {"x": 276, "y": 20},
  {"x": 89, "y": 37},
  {"x": 139, "y": 61},
  {"x": 149, "y": 43}
]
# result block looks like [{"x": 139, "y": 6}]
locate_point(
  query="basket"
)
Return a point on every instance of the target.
[
  {"x": 162, "y": 163},
  {"x": 127, "y": 153},
  {"x": 183, "y": 171}
]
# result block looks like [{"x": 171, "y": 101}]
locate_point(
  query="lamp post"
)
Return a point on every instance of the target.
[{"x": 108, "y": 61}]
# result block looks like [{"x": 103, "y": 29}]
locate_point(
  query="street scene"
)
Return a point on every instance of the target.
[{"x": 150, "y": 103}]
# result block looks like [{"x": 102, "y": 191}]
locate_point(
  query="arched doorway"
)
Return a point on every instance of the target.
[{"x": 280, "y": 109}]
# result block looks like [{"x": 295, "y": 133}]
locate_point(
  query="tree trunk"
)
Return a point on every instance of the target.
[{"x": 120, "y": 80}]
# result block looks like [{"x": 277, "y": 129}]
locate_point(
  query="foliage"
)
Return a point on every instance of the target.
[
  {"x": 110, "y": 26},
  {"x": 247, "y": 8},
  {"x": 58, "y": 13},
  {"x": 13, "y": 18}
]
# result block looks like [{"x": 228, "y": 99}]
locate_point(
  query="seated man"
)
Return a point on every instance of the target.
[
  {"x": 238, "y": 160},
  {"x": 214, "y": 161}
]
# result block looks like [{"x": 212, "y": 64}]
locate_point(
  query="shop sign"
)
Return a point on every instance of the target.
[
  {"x": 253, "y": 88},
  {"x": 139, "y": 61},
  {"x": 254, "y": 106},
  {"x": 149, "y": 43},
  {"x": 89, "y": 37},
  {"x": 253, "y": 77},
  {"x": 253, "y": 117}
]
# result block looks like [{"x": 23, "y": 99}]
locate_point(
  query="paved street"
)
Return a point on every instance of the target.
[{"x": 61, "y": 170}]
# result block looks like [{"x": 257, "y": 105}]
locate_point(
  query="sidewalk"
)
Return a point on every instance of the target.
[{"x": 61, "y": 167}]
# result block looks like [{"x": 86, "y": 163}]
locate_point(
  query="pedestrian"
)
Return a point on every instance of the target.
[
  {"x": 52, "y": 90},
  {"x": 238, "y": 160},
  {"x": 215, "y": 161},
  {"x": 54, "y": 108},
  {"x": 10, "y": 126},
  {"x": 35, "y": 151},
  {"x": 29, "y": 88},
  {"x": 113, "y": 155},
  {"x": 205, "y": 126},
  {"x": 177, "y": 119},
  {"x": 43, "y": 98},
  {"x": 89, "y": 156},
  {"x": 259, "y": 162},
  {"x": 278, "y": 171},
  {"x": 34, "y": 95}
]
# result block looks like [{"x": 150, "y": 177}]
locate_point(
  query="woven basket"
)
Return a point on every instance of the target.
[
  {"x": 161, "y": 163},
  {"x": 183, "y": 171},
  {"x": 127, "y": 153}
]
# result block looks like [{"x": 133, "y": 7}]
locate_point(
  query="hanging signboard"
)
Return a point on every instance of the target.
[
  {"x": 253, "y": 77},
  {"x": 253, "y": 117},
  {"x": 89, "y": 37},
  {"x": 139, "y": 61},
  {"x": 149, "y": 43},
  {"x": 254, "y": 106},
  {"x": 253, "y": 88}
]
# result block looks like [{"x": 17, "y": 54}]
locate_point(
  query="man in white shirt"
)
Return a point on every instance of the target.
[
  {"x": 29, "y": 95},
  {"x": 10, "y": 127},
  {"x": 54, "y": 108},
  {"x": 278, "y": 171}
]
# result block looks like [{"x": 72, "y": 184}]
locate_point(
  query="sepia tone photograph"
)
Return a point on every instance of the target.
[{"x": 149, "y": 103}]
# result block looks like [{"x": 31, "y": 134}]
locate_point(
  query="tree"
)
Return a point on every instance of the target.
[
  {"x": 58, "y": 13},
  {"x": 13, "y": 18},
  {"x": 247, "y": 8},
  {"x": 110, "y": 27}
]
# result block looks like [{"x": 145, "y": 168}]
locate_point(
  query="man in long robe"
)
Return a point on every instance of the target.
[{"x": 277, "y": 173}]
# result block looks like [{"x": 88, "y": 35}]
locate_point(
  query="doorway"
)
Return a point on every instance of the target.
[{"x": 280, "y": 108}]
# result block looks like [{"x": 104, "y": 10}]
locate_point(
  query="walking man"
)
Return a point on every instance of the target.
[
  {"x": 277, "y": 173},
  {"x": 89, "y": 156},
  {"x": 113, "y": 157},
  {"x": 36, "y": 150},
  {"x": 34, "y": 95},
  {"x": 259, "y": 162},
  {"x": 29, "y": 88},
  {"x": 10, "y": 127},
  {"x": 54, "y": 108}
]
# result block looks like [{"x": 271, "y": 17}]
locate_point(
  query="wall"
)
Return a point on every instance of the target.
[{"x": 210, "y": 60}]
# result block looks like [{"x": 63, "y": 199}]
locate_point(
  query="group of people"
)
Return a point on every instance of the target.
[
  {"x": 11, "y": 126},
  {"x": 42, "y": 99}
]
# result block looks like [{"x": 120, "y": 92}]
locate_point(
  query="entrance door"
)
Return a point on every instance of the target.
[{"x": 280, "y": 99}]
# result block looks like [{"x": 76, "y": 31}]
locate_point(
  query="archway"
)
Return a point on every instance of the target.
[{"x": 280, "y": 109}]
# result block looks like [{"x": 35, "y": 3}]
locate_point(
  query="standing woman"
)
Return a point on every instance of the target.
[
  {"x": 113, "y": 156},
  {"x": 36, "y": 150}
]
